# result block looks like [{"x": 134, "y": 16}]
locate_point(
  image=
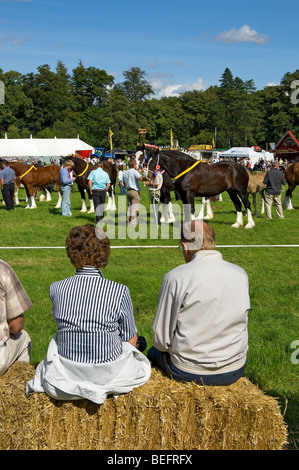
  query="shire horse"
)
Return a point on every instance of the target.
[
  {"x": 192, "y": 179},
  {"x": 33, "y": 177},
  {"x": 292, "y": 179},
  {"x": 82, "y": 169}
]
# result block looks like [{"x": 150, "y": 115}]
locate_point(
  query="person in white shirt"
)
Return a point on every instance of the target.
[
  {"x": 200, "y": 326},
  {"x": 131, "y": 179}
]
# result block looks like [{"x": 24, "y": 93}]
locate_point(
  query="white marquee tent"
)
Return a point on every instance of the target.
[
  {"x": 248, "y": 152},
  {"x": 37, "y": 148}
]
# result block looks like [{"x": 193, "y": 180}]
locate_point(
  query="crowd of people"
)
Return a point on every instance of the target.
[
  {"x": 129, "y": 176},
  {"x": 199, "y": 329}
]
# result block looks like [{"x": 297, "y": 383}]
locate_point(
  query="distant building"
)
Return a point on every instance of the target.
[{"x": 287, "y": 148}]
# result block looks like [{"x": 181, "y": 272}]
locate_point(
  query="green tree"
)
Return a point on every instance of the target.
[
  {"x": 135, "y": 87},
  {"x": 17, "y": 109},
  {"x": 90, "y": 87},
  {"x": 120, "y": 117}
]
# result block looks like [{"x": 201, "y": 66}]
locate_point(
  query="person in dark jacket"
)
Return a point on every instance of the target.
[
  {"x": 273, "y": 180},
  {"x": 7, "y": 179}
]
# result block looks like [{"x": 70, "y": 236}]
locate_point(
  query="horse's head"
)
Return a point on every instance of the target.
[{"x": 151, "y": 154}]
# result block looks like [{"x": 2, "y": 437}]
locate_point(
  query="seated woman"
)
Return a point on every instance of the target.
[{"x": 93, "y": 353}]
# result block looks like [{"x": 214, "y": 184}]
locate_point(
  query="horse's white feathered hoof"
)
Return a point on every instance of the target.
[
  {"x": 208, "y": 217},
  {"x": 83, "y": 210},
  {"x": 90, "y": 211},
  {"x": 287, "y": 203},
  {"x": 237, "y": 225},
  {"x": 250, "y": 225},
  {"x": 171, "y": 219},
  {"x": 162, "y": 220}
]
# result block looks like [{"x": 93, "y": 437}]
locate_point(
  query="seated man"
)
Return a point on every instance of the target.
[
  {"x": 94, "y": 352},
  {"x": 200, "y": 326},
  {"x": 15, "y": 343}
]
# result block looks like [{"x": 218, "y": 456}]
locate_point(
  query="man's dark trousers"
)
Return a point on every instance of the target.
[
  {"x": 8, "y": 196},
  {"x": 99, "y": 198}
]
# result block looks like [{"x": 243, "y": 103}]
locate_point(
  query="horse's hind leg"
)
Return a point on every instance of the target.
[
  {"x": 287, "y": 202},
  {"x": 246, "y": 202},
  {"x": 31, "y": 200},
  {"x": 16, "y": 192},
  {"x": 238, "y": 205}
]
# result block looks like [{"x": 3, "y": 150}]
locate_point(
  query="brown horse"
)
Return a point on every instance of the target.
[
  {"x": 194, "y": 179},
  {"x": 292, "y": 179},
  {"x": 46, "y": 191},
  {"x": 33, "y": 177},
  {"x": 82, "y": 169},
  {"x": 256, "y": 186}
]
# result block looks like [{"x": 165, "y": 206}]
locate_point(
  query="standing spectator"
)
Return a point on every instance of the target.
[
  {"x": 66, "y": 180},
  {"x": 98, "y": 183},
  {"x": 120, "y": 179},
  {"x": 200, "y": 326},
  {"x": 131, "y": 179},
  {"x": 7, "y": 178},
  {"x": 15, "y": 343},
  {"x": 273, "y": 180}
]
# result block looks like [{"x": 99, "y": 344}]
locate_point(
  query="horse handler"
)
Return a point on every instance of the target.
[
  {"x": 66, "y": 181},
  {"x": 273, "y": 180},
  {"x": 131, "y": 179},
  {"x": 99, "y": 183},
  {"x": 7, "y": 179}
]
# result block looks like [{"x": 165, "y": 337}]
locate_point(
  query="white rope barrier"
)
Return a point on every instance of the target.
[{"x": 142, "y": 246}]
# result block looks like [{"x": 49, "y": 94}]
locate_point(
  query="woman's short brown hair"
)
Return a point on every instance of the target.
[{"x": 85, "y": 248}]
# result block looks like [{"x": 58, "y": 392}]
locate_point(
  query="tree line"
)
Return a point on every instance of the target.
[{"x": 87, "y": 102}]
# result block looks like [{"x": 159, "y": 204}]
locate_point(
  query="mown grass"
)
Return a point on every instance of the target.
[{"x": 273, "y": 276}]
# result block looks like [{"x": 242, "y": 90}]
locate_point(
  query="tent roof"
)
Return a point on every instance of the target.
[
  {"x": 41, "y": 147},
  {"x": 247, "y": 152}
]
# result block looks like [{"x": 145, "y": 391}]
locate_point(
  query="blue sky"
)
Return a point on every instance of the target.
[{"x": 181, "y": 45}]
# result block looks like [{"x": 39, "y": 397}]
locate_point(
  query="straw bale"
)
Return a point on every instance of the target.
[{"x": 161, "y": 415}]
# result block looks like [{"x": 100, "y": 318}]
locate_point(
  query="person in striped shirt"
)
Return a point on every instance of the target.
[{"x": 94, "y": 352}]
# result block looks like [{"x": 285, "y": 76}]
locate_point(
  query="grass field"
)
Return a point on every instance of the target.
[{"x": 273, "y": 272}]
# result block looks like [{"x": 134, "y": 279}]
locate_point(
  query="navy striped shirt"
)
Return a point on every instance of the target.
[{"x": 93, "y": 315}]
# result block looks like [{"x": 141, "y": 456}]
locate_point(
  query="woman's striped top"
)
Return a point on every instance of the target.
[{"x": 93, "y": 315}]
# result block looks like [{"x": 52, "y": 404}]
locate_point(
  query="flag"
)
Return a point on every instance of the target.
[
  {"x": 171, "y": 139},
  {"x": 110, "y": 134},
  {"x": 213, "y": 143}
]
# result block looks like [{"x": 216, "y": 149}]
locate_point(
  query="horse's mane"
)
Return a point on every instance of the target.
[{"x": 177, "y": 154}]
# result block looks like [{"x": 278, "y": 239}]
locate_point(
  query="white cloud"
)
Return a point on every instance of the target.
[
  {"x": 244, "y": 34},
  {"x": 163, "y": 86},
  {"x": 272, "y": 84},
  {"x": 11, "y": 40}
]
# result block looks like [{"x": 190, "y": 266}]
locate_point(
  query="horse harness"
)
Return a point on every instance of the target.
[
  {"x": 31, "y": 168},
  {"x": 186, "y": 171},
  {"x": 84, "y": 171}
]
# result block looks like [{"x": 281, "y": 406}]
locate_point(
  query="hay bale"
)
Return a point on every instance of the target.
[
  {"x": 14, "y": 405},
  {"x": 160, "y": 415}
]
